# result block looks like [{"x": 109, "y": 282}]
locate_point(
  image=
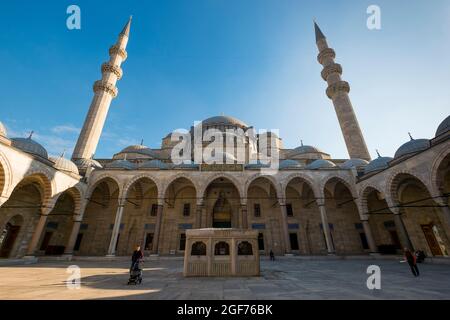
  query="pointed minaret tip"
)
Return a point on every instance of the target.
[
  {"x": 126, "y": 29},
  {"x": 319, "y": 33}
]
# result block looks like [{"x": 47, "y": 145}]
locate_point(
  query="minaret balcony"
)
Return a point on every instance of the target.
[
  {"x": 330, "y": 69},
  {"x": 326, "y": 54},
  {"x": 102, "y": 86},
  {"x": 337, "y": 88},
  {"x": 116, "y": 50},
  {"x": 108, "y": 67}
]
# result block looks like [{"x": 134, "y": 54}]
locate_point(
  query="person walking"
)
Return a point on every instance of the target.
[
  {"x": 137, "y": 256},
  {"x": 412, "y": 261},
  {"x": 272, "y": 256}
]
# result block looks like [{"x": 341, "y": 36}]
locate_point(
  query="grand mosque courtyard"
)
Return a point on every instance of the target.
[{"x": 286, "y": 278}]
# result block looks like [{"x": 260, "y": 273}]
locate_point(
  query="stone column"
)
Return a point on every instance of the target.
[
  {"x": 73, "y": 236},
  {"x": 46, "y": 210},
  {"x": 368, "y": 232},
  {"x": 285, "y": 229},
  {"x": 158, "y": 229},
  {"x": 37, "y": 235},
  {"x": 326, "y": 227},
  {"x": 244, "y": 217},
  {"x": 404, "y": 238},
  {"x": 116, "y": 230},
  {"x": 198, "y": 216}
]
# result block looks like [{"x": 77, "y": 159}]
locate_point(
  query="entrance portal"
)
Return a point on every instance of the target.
[
  {"x": 222, "y": 213},
  {"x": 8, "y": 236}
]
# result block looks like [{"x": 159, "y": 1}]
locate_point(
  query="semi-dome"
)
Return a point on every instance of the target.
[
  {"x": 139, "y": 149},
  {"x": 153, "y": 164},
  {"x": 290, "y": 164},
  {"x": 120, "y": 164},
  {"x": 84, "y": 164},
  {"x": 354, "y": 163},
  {"x": 30, "y": 146},
  {"x": 377, "y": 164},
  {"x": 64, "y": 164},
  {"x": 413, "y": 146},
  {"x": 320, "y": 164},
  {"x": 305, "y": 149},
  {"x": 444, "y": 127},
  {"x": 3, "y": 131},
  {"x": 224, "y": 120}
]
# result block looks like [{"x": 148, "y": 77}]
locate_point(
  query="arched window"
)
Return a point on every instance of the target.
[
  {"x": 222, "y": 249},
  {"x": 198, "y": 249},
  {"x": 245, "y": 249}
]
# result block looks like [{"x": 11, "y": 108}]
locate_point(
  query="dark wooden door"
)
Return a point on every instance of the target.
[{"x": 431, "y": 239}]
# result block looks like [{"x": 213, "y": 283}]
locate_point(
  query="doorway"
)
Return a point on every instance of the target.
[
  {"x": 433, "y": 244},
  {"x": 8, "y": 239}
]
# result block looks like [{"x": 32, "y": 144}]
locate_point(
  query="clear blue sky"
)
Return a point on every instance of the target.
[{"x": 251, "y": 59}]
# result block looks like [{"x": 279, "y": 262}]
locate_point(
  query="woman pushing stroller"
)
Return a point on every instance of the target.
[{"x": 136, "y": 266}]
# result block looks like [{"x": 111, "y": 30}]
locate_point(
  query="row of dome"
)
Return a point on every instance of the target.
[{"x": 32, "y": 147}]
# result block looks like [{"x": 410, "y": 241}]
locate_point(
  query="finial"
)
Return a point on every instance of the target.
[
  {"x": 378, "y": 153},
  {"x": 142, "y": 142},
  {"x": 63, "y": 154},
  {"x": 410, "y": 136},
  {"x": 301, "y": 143},
  {"x": 31, "y": 134}
]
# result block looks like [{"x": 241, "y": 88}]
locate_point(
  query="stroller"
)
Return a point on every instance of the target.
[{"x": 136, "y": 273}]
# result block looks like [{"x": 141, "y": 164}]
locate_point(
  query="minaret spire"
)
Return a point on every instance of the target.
[
  {"x": 105, "y": 91},
  {"x": 319, "y": 33},
  {"x": 338, "y": 91}
]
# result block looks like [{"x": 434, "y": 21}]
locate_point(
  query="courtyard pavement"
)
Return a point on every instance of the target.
[{"x": 287, "y": 278}]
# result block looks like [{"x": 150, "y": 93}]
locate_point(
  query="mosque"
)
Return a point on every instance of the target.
[{"x": 312, "y": 205}]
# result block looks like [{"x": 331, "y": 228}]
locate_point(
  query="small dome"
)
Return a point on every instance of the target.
[
  {"x": 120, "y": 164},
  {"x": 65, "y": 165},
  {"x": 320, "y": 164},
  {"x": 304, "y": 150},
  {"x": 3, "y": 131},
  {"x": 187, "y": 165},
  {"x": 30, "y": 146},
  {"x": 84, "y": 164},
  {"x": 444, "y": 127},
  {"x": 257, "y": 165},
  {"x": 413, "y": 146},
  {"x": 379, "y": 163},
  {"x": 223, "y": 120},
  {"x": 290, "y": 164},
  {"x": 354, "y": 163},
  {"x": 153, "y": 164}
]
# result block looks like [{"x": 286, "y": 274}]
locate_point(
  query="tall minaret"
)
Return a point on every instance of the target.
[
  {"x": 338, "y": 91},
  {"x": 105, "y": 90}
]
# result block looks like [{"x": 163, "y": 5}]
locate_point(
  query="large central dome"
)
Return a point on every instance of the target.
[{"x": 224, "y": 120}]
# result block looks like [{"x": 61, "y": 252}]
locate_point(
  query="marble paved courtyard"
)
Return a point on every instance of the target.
[{"x": 288, "y": 278}]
